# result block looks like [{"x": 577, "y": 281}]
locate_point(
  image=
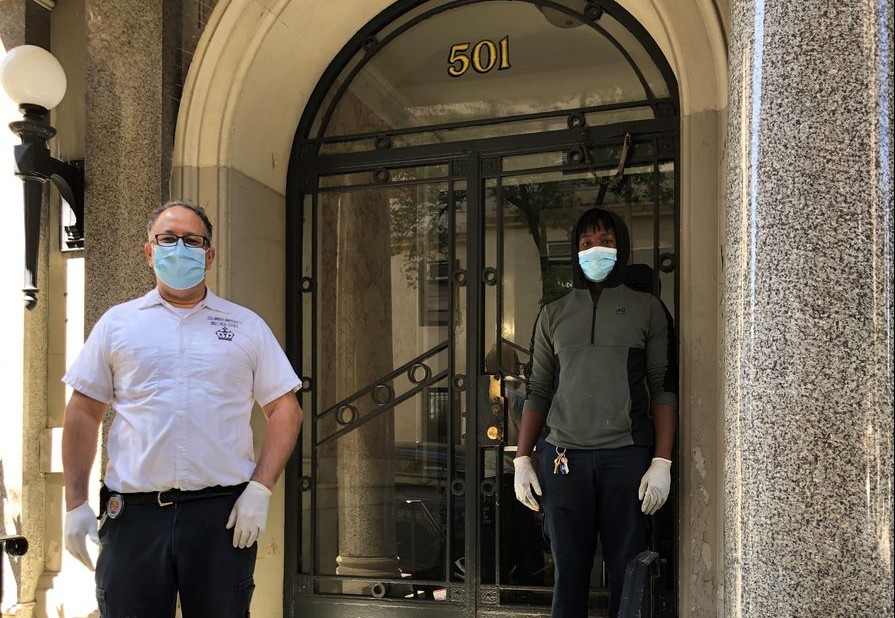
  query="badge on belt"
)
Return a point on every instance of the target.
[{"x": 115, "y": 505}]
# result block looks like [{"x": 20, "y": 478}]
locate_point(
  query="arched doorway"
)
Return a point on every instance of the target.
[{"x": 433, "y": 180}]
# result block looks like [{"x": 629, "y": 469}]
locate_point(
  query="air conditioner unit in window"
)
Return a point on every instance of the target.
[{"x": 558, "y": 251}]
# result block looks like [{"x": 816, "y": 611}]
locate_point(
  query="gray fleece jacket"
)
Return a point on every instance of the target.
[{"x": 598, "y": 367}]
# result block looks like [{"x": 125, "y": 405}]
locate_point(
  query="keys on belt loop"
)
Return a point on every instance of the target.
[
  {"x": 561, "y": 463},
  {"x": 160, "y": 503}
]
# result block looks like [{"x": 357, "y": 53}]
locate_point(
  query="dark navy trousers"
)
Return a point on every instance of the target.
[
  {"x": 598, "y": 498},
  {"x": 150, "y": 553}
]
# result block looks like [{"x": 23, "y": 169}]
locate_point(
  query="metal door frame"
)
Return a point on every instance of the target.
[{"x": 466, "y": 159}]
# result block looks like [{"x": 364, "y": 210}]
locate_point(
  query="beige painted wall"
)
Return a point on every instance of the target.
[{"x": 251, "y": 77}]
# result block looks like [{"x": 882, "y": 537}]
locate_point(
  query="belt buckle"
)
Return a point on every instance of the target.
[{"x": 159, "y": 498}]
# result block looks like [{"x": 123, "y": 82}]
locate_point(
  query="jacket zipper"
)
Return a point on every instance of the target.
[{"x": 593, "y": 324}]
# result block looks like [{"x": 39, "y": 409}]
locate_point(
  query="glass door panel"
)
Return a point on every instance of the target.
[
  {"x": 529, "y": 213},
  {"x": 385, "y": 420}
]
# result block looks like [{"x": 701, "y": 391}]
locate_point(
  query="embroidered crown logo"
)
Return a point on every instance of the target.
[{"x": 225, "y": 334}]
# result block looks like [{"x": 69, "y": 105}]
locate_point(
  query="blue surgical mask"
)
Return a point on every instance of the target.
[
  {"x": 597, "y": 262},
  {"x": 179, "y": 267}
]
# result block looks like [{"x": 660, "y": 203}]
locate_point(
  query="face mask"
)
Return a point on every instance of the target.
[
  {"x": 597, "y": 262},
  {"x": 179, "y": 267}
]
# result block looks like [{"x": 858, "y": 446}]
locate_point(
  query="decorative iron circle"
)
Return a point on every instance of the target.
[
  {"x": 576, "y": 120},
  {"x": 593, "y": 12},
  {"x": 458, "y": 382},
  {"x": 666, "y": 262},
  {"x": 381, "y": 175},
  {"x": 379, "y": 590},
  {"x": 382, "y": 394},
  {"x": 458, "y": 487},
  {"x": 487, "y": 487},
  {"x": 382, "y": 142},
  {"x": 489, "y": 276},
  {"x": 575, "y": 156},
  {"x": 413, "y": 373},
  {"x": 370, "y": 43},
  {"x": 352, "y": 415},
  {"x": 304, "y": 483},
  {"x": 305, "y": 383},
  {"x": 306, "y": 285},
  {"x": 460, "y": 277}
]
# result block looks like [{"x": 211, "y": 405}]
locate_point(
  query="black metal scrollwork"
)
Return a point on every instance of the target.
[
  {"x": 382, "y": 394},
  {"x": 458, "y": 487},
  {"x": 351, "y": 412},
  {"x": 413, "y": 374}
]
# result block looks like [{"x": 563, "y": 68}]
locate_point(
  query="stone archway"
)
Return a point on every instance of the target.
[{"x": 254, "y": 69}]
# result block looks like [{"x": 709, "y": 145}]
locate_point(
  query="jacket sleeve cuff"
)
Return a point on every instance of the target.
[
  {"x": 535, "y": 404},
  {"x": 665, "y": 398}
]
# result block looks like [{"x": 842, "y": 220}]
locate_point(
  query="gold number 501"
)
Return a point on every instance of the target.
[{"x": 481, "y": 61}]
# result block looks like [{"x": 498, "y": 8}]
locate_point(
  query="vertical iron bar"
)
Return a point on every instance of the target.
[
  {"x": 452, "y": 368},
  {"x": 657, "y": 221},
  {"x": 498, "y": 229},
  {"x": 474, "y": 341},
  {"x": 294, "y": 348},
  {"x": 315, "y": 400}
]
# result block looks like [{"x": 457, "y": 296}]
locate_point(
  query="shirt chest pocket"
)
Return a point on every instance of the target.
[
  {"x": 225, "y": 372},
  {"x": 137, "y": 371}
]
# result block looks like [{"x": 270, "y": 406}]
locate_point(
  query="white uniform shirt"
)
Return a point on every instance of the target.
[{"x": 182, "y": 386}]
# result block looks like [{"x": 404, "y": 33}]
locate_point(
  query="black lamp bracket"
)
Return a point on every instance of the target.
[
  {"x": 33, "y": 162},
  {"x": 36, "y": 167}
]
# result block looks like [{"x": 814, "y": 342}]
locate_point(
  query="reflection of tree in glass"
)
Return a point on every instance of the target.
[
  {"x": 542, "y": 206},
  {"x": 419, "y": 228}
]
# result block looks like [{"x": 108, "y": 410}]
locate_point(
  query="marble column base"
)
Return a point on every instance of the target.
[{"x": 368, "y": 566}]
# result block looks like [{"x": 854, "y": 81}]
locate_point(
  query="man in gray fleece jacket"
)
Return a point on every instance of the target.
[{"x": 604, "y": 381}]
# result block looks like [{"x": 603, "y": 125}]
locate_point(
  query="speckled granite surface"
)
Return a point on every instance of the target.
[
  {"x": 808, "y": 310},
  {"x": 123, "y": 88}
]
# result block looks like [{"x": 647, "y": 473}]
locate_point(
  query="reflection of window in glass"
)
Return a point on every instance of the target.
[
  {"x": 437, "y": 411},
  {"x": 559, "y": 252},
  {"x": 434, "y": 293}
]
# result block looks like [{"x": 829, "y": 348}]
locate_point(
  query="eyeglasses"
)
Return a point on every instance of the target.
[{"x": 196, "y": 241}]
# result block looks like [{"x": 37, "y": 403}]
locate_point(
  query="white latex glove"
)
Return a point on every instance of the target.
[
  {"x": 655, "y": 485},
  {"x": 526, "y": 480},
  {"x": 249, "y": 515},
  {"x": 80, "y": 523}
]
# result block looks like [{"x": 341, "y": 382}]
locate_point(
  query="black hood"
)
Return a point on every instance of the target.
[{"x": 623, "y": 243}]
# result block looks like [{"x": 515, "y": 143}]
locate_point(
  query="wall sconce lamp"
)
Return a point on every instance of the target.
[{"x": 34, "y": 79}]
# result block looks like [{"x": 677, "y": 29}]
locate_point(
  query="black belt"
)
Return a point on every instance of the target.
[{"x": 170, "y": 496}]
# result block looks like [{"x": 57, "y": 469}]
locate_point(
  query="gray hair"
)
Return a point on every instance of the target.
[{"x": 200, "y": 212}]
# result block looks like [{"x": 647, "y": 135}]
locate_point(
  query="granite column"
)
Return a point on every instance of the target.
[{"x": 808, "y": 310}]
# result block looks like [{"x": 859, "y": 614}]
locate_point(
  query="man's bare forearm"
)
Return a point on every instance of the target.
[
  {"x": 284, "y": 418},
  {"x": 80, "y": 430}
]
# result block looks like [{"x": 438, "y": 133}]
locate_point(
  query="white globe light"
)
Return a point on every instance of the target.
[{"x": 31, "y": 74}]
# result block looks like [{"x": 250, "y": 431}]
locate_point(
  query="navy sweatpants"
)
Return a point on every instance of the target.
[
  {"x": 597, "y": 497},
  {"x": 150, "y": 553}
]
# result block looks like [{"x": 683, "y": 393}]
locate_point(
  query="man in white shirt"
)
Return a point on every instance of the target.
[{"x": 183, "y": 500}]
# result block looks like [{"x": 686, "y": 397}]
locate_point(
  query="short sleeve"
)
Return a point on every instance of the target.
[
  {"x": 274, "y": 376},
  {"x": 91, "y": 373}
]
